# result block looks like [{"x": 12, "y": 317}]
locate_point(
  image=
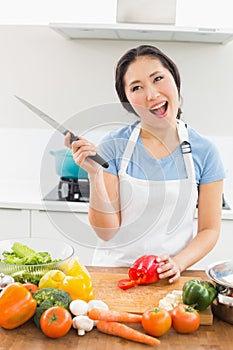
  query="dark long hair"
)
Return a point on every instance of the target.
[{"x": 131, "y": 56}]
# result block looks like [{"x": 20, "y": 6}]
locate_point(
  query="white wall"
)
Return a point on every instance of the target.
[
  {"x": 207, "y": 13},
  {"x": 65, "y": 77}
]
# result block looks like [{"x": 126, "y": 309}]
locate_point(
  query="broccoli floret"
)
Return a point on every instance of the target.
[
  {"x": 48, "y": 297},
  {"x": 46, "y": 304},
  {"x": 57, "y": 296}
]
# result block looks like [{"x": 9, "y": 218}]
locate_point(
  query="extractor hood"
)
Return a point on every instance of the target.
[{"x": 152, "y": 32}]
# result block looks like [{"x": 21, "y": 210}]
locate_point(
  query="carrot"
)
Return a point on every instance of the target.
[
  {"x": 126, "y": 332},
  {"x": 112, "y": 315}
]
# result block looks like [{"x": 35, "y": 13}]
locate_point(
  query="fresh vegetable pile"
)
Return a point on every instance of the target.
[
  {"x": 65, "y": 299},
  {"x": 48, "y": 304}
]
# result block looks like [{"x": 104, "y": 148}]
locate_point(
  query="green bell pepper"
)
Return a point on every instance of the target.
[{"x": 199, "y": 294}]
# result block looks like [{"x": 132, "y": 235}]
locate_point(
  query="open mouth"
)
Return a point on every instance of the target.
[{"x": 159, "y": 109}]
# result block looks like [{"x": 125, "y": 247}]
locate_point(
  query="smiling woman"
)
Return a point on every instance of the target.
[{"x": 144, "y": 203}]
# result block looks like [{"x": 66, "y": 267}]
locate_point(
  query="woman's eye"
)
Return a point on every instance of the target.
[
  {"x": 135, "y": 88},
  {"x": 158, "y": 78}
]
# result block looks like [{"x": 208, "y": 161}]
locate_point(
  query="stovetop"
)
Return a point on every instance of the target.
[{"x": 71, "y": 190}]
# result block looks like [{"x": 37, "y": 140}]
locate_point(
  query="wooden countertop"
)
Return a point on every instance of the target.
[{"x": 27, "y": 337}]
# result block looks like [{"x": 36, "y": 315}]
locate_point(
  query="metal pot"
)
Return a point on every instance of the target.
[
  {"x": 222, "y": 307},
  {"x": 66, "y": 166},
  {"x": 221, "y": 273}
]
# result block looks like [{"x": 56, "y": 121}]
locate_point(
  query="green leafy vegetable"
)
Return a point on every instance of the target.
[
  {"x": 23, "y": 276},
  {"x": 22, "y": 254}
]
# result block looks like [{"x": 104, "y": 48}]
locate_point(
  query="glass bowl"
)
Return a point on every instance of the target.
[{"x": 58, "y": 250}]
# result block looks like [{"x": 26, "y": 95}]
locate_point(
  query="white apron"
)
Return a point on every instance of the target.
[{"x": 157, "y": 216}]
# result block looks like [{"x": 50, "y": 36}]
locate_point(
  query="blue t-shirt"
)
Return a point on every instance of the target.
[{"x": 207, "y": 161}]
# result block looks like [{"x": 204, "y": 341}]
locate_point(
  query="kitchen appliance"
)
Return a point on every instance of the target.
[
  {"x": 221, "y": 272},
  {"x": 146, "y": 11},
  {"x": 73, "y": 183},
  {"x": 97, "y": 158},
  {"x": 71, "y": 190}
]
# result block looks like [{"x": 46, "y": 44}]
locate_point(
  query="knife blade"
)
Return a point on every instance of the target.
[{"x": 97, "y": 158}]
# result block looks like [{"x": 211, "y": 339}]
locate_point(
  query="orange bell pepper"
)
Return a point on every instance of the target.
[{"x": 17, "y": 306}]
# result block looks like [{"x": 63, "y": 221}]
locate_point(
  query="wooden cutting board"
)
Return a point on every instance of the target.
[{"x": 138, "y": 298}]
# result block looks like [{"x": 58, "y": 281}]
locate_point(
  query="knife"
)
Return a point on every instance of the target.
[{"x": 97, "y": 158}]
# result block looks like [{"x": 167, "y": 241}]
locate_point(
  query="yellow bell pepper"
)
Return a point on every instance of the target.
[
  {"x": 74, "y": 279},
  {"x": 78, "y": 280},
  {"x": 79, "y": 287},
  {"x": 52, "y": 279},
  {"x": 73, "y": 267}
]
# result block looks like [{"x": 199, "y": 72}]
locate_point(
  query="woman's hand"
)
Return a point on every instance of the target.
[
  {"x": 169, "y": 270},
  {"x": 67, "y": 140},
  {"x": 81, "y": 150}
]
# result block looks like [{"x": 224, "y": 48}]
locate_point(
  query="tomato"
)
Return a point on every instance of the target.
[
  {"x": 55, "y": 322},
  {"x": 126, "y": 283},
  {"x": 31, "y": 287},
  {"x": 156, "y": 321},
  {"x": 185, "y": 319}
]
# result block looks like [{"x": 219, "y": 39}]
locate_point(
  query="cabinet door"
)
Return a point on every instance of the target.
[
  {"x": 223, "y": 248},
  {"x": 15, "y": 223},
  {"x": 70, "y": 227}
]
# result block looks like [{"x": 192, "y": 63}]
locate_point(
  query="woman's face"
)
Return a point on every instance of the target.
[{"x": 151, "y": 90}]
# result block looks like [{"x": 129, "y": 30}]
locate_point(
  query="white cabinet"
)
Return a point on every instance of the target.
[
  {"x": 71, "y": 227},
  {"x": 74, "y": 228},
  {"x": 14, "y": 223},
  {"x": 222, "y": 250}
]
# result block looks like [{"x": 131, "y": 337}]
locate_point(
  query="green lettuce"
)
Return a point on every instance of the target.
[{"x": 22, "y": 254}]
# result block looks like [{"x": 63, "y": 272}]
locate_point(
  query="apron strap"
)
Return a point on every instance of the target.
[
  {"x": 186, "y": 149},
  {"x": 184, "y": 144},
  {"x": 130, "y": 147}
]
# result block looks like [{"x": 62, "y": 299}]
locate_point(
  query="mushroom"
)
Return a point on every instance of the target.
[
  {"x": 99, "y": 304},
  {"x": 78, "y": 307},
  {"x": 82, "y": 324},
  {"x": 5, "y": 280}
]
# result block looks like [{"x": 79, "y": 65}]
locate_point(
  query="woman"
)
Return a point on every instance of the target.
[{"x": 160, "y": 168}]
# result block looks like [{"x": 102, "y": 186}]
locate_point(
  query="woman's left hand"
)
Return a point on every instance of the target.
[{"x": 169, "y": 270}]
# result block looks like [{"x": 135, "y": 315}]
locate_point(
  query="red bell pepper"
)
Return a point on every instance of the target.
[
  {"x": 143, "y": 271},
  {"x": 126, "y": 283}
]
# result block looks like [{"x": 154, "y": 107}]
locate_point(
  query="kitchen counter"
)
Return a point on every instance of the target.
[
  {"x": 217, "y": 336},
  {"x": 28, "y": 196}
]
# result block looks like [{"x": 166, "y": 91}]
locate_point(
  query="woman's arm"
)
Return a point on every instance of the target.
[
  {"x": 104, "y": 208},
  {"x": 209, "y": 224}
]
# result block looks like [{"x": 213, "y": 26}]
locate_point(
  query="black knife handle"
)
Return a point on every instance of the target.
[{"x": 97, "y": 158}]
